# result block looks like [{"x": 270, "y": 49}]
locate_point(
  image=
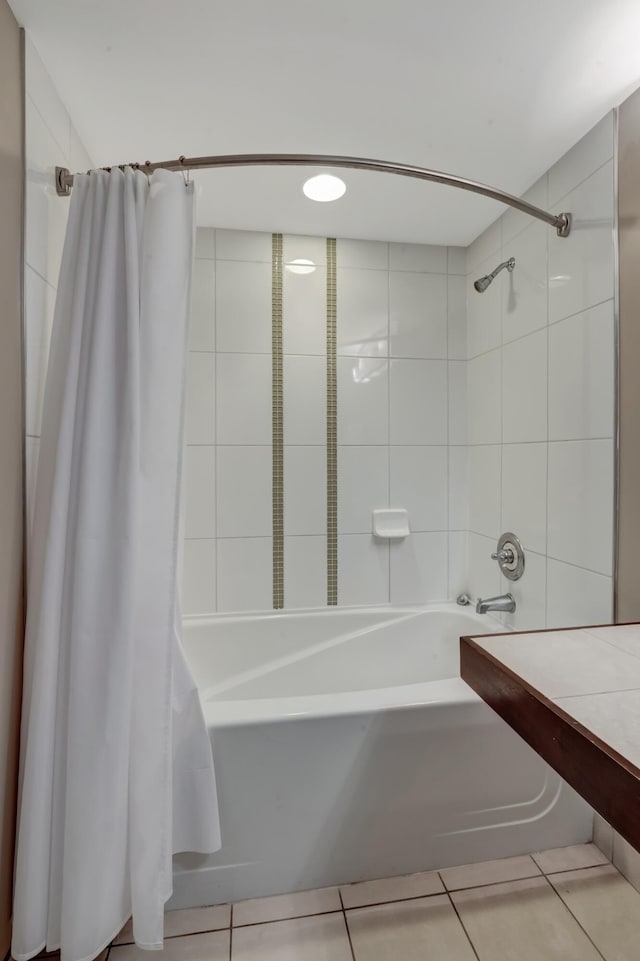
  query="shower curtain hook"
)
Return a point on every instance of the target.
[{"x": 186, "y": 173}]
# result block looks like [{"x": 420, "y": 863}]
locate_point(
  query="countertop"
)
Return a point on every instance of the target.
[{"x": 574, "y": 696}]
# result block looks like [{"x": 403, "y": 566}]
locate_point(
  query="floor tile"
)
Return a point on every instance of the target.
[
  {"x": 190, "y": 921},
  {"x": 607, "y": 907},
  {"x": 213, "y": 946},
  {"x": 570, "y": 858},
  {"x": 283, "y": 906},
  {"x": 320, "y": 938},
  {"x": 426, "y": 928},
  {"x": 391, "y": 889},
  {"x": 489, "y": 872},
  {"x": 522, "y": 920}
]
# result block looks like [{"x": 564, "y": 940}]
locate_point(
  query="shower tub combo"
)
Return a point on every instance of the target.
[{"x": 347, "y": 748}]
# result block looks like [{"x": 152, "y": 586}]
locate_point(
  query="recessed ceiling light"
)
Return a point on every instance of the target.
[
  {"x": 300, "y": 266},
  {"x": 323, "y": 188}
]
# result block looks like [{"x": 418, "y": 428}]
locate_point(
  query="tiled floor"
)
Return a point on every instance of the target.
[{"x": 569, "y": 904}]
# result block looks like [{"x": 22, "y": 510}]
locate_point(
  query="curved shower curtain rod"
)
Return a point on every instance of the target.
[{"x": 562, "y": 222}]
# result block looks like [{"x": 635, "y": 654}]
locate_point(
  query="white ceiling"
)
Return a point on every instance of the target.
[{"x": 495, "y": 91}]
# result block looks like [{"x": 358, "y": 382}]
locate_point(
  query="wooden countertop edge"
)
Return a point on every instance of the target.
[{"x": 607, "y": 780}]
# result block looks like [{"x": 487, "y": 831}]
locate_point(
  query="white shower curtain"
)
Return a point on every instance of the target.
[{"x": 116, "y": 766}]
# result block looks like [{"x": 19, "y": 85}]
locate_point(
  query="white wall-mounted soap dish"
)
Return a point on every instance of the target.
[{"x": 391, "y": 523}]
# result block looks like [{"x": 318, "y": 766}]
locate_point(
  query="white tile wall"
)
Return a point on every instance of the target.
[
  {"x": 458, "y": 563},
  {"x": 363, "y": 570},
  {"x": 547, "y": 396},
  {"x": 524, "y": 494},
  {"x": 417, "y": 314},
  {"x": 419, "y": 569},
  {"x": 484, "y": 311},
  {"x": 245, "y": 245},
  {"x": 243, "y": 491},
  {"x": 362, "y": 253},
  {"x": 580, "y": 527},
  {"x": 401, "y": 401},
  {"x": 363, "y": 485},
  {"x": 458, "y": 488},
  {"x": 581, "y": 375},
  {"x": 243, "y": 399},
  {"x": 200, "y": 402},
  {"x": 524, "y": 389},
  {"x": 200, "y": 492},
  {"x": 484, "y": 490},
  {"x": 514, "y": 221},
  {"x": 421, "y": 258},
  {"x": 576, "y": 596},
  {"x": 457, "y": 317},
  {"x": 304, "y": 327},
  {"x": 418, "y": 480},
  {"x": 305, "y": 490},
  {"x": 581, "y": 271},
  {"x": 458, "y": 419},
  {"x": 244, "y": 581},
  {"x": 199, "y": 576},
  {"x": 363, "y": 400},
  {"x": 484, "y": 397},
  {"x": 243, "y": 307},
  {"x": 524, "y": 291},
  {"x": 202, "y": 328},
  {"x": 418, "y": 401},
  {"x": 305, "y": 571},
  {"x": 305, "y": 399},
  {"x": 362, "y": 312}
]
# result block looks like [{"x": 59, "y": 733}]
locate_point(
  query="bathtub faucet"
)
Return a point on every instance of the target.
[{"x": 504, "y": 602}]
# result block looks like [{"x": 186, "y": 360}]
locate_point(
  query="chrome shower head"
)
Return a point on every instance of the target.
[{"x": 483, "y": 282}]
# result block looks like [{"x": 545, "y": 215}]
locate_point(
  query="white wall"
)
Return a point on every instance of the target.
[
  {"x": 51, "y": 141},
  {"x": 541, "y": 396},
  {"x": 401, "y": 337}
]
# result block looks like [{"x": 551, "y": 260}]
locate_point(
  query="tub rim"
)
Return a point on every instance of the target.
[{"x": 245, "y": 711}]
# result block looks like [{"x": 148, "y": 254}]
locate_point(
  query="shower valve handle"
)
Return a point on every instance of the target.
[{"x": 505, "y": 556}]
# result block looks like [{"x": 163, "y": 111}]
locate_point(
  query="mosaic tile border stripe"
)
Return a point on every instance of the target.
[
  {"x": 332, "y": 427},
  {"x": 277, "y": 421}
]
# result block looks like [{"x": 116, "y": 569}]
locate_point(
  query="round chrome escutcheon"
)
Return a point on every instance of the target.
[{"x": 510, "y": 556}]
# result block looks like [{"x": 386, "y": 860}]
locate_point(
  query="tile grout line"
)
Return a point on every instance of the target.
[
  {"x": 571, "y": 914},
  {"x": 332, "y": 426},
  {"x": 214, "y": 265},
  {"x": 530, "y": 333},
  {"x": 346, "y": 924},
  {"x": 460, "y": 922},
  {"x": 449, "y": 592},
  {"x": 231, "y": 933},
  {"x": 421, "y": 897},
  {"x": 546, "y": 499},
  {"x": 277, "y": 422},
  {"x": 389, "y": 395}
]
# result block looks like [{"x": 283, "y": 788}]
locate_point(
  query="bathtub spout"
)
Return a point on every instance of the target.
[{"x": 504, "y": 602}]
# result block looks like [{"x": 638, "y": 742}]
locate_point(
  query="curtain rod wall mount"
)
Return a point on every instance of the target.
[{"x": 561, "y": 222}]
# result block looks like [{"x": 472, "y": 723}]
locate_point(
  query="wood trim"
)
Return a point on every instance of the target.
[{"x": 609, "y": 782}]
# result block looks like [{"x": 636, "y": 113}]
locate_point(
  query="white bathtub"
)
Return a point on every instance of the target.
[{"x": 347, "y": 747}]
